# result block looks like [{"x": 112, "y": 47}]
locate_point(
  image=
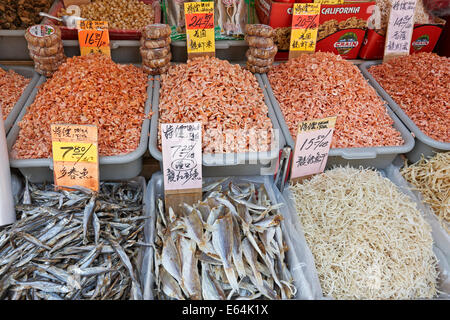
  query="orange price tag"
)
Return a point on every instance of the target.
[
  {"x": 93, "y": 37},
  {"x": 199, "y": 17},
  {"x": 75, "y": 156}
]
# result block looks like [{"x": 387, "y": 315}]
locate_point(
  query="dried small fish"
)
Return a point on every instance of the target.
[
  {"x": 54, "y": 252},
  {"x": 227, "y": 246}
]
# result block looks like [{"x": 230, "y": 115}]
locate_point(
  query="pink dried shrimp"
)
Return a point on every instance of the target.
[
  {"x": 225, "y": 98},
  {"x": 321, "y": 85},
  {"x": 12, "y": 85},
  {"x": 87, "y": 90},
  {"x": 420, "y": 85}
]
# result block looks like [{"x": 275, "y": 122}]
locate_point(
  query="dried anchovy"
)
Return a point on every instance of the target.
[{"x": 56, "y": 251}]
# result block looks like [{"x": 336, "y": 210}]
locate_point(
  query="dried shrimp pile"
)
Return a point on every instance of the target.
[
  {"x": 368, "y": 239},
  {"x": 420, "y": 85},
  {"x": 225, "y": 98},
  {"x": 87, "y": 90},
  {"x": 321, "y": 85},
  {"x": 432, "y": 178},
  {"x": 12, "y": 86}
]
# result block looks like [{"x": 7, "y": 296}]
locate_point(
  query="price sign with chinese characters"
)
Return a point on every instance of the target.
[
  {"x": 200, "y": 28},
  {"x": 400, "y": 29},
  {"x": 182, "y": 163},
  {"x": 305, "y": 23},
  {"x": 93, "y": 37},
  {"x": 312, "y": 147},
  {"x": 75, "y": 155}
]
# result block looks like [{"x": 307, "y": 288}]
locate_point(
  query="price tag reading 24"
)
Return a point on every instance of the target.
[
  {"x": 312, "y": 147},
  {"x": 305, "y": 23},
  {"x": 200, "y": 28},
  {"x": 93, "y": 37},
  {"x": 75, "y": 156}
]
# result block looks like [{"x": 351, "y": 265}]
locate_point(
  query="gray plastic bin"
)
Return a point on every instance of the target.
[
  {"x": 423, "y": 144},
  {"x": 377, "y": 157},
  {"x": 237, "y": 164},
  {"x": 441, "y": 239},
  {"x": 27, "y": 72},
  {"x": 121, "y": 167},
  {"x": 303, "y": 271}
]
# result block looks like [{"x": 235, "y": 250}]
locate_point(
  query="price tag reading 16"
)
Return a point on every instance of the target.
[{"x": 93, "y": 37}]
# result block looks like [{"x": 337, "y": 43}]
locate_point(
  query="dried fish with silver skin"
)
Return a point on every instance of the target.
[
  {"x": 239, "y": 258},
  {"x": 43, "y": 256}
]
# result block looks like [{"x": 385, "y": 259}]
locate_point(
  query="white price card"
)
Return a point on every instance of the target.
[
  {"x": 312, "y": 146},
  {"x": 400, "y": 28},
  {"x": 182, "y": 155}
]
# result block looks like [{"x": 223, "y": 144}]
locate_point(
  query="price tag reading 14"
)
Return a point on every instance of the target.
[
  {"x": 305, "y": 23},
  {"x": 312, "y": 147},
  {"x": 93, "y": 37},
  {"x": 200, "y": 28},
  {"x": 75, "y": 156}
]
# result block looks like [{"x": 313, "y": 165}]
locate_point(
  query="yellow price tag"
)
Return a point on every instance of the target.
[
  {"x": 305, "y": 24},
  {"x": 74, "y": 151},
  {"x": 75, "y": 156},
  {"x": 200, "y": 27}
]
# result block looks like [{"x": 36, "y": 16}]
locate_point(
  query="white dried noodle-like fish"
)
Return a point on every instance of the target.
[{"x": 368, "y": 239}]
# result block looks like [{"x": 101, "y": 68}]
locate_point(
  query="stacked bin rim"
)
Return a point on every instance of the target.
[
  {"x": 378, "y": 157},
  {"x": 224, "y": 166},
  {"x": 27, "y": 72},
  {"x": 424, "y": 144},
  {"x": 111, "y": 167}
]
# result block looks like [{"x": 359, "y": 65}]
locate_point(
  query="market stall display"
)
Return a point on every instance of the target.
[
  {"x": 86, "y": 90},
  {"x": 342, "y": 27},
  {"x": 75, "y": 245},
  {"x": 155, "y": 48},
  {"x": 431, "y": 177},
  {"x": 417, "y": 89},
  {"x": 125, "y": 18},
  {"x": 261, "y": 258},
  {"x": 368, "y": 239},
  {"x": 46, "y": 48},
  {"x": 427, "y": 30},
  {"x": 16, "y": 84},
  {"x": 19, "y": 15},
  {"x": 228, "y": 100},
  {"x": 323, "y": 85},
  {"x": 262, "y": 49}
]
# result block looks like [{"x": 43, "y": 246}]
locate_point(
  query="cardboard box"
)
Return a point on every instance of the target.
[
  {"x": 424, "y": 39},
  {"x": 341, "y": 27}
]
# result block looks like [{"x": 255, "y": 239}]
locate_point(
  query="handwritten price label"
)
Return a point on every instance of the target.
[
  {"x": 200, "y": 28},
  {"x": 312, "y": 147},
  {"x": 182, "y": 155},
  {"x": 75, "y": 156},
  {"x": 400, "y": 28},
  {"x": 305, "y": 23},
  {"x": 93, "y": 37}
]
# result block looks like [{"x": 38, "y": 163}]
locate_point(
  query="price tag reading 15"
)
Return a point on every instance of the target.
[{"x": 93, "y": 37}]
